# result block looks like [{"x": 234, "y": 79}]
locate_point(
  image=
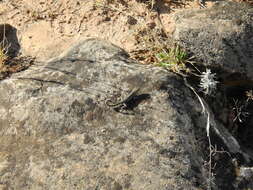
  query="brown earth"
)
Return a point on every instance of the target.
[{"x": 46, "y": 28}]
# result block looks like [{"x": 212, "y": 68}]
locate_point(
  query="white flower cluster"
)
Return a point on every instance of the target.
[{"x": 208, "y": 83}]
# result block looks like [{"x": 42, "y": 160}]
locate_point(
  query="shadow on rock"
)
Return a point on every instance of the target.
[{"x": 9, "y": 40}]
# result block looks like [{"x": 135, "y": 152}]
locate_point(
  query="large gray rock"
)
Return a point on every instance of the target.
[
  {"x": 57, "y": 132},
  {"x": 220, "y": 36}
]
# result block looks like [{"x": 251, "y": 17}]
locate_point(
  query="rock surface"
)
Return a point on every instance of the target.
[
  {"x": 220, "y": 36},
  {"x": 57, "y": 132}
]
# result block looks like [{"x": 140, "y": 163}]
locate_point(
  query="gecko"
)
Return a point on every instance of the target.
[{"x": 125, "y": 102}]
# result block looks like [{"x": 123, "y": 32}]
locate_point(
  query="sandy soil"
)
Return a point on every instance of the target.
[{"x": 46, "y": 28}]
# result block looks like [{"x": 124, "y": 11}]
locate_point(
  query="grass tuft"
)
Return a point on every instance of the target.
[{"x": 173, "y": 59}]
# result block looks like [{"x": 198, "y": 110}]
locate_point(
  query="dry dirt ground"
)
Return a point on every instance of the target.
[{"x": 46, "y": 28}]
